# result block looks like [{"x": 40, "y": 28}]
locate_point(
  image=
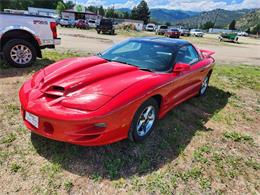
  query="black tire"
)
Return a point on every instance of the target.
[
  {"x": 203, "y": 91},
  {"x": 133, "y": 132},
  {"x": 15, "y": 42}
]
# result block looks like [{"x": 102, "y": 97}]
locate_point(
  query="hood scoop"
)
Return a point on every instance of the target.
[{"x": 55, "y": 91}]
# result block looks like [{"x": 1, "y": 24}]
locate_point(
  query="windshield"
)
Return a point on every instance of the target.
[{"x": 146, "y": 55}]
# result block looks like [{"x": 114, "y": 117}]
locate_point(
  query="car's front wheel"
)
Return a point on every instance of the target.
[
  {"x": 144, "y": 120},
  {"x": 204, "y": 85}
]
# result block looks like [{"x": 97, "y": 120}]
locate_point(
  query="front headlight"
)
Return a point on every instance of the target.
[{"x": 87, "y": 102}]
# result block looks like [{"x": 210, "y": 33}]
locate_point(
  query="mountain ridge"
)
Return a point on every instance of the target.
[{"x": 191, "y": 19}]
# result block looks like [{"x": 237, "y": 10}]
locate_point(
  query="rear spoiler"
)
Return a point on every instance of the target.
[{"x": 206, "y": 53}]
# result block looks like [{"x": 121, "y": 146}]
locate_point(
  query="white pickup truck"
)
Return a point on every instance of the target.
[{"x": 23, "y": 36}]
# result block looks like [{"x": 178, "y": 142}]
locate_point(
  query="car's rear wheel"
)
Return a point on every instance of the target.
[
  {"x": 144, "y": 120},
  {"x": 204, "y": 85},
  {"x": 19, "y": 53}
]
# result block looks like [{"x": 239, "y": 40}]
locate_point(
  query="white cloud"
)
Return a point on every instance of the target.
[{"x": 191, "y": 5}]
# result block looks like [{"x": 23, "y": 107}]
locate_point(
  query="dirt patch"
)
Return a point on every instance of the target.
[{"x": 87, "y": 37}]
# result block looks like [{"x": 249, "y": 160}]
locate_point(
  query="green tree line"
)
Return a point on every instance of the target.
[{"x": 139, "y": 12}]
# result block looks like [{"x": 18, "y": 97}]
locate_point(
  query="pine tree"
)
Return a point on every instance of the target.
[
  {"x": 232, "y": 25},
  {"x": 101, "y": 11},
  {"x": 134, "y": 14},
  {"x": 143, "y": 11}
]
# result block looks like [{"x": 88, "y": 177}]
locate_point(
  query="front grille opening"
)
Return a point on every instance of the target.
[
  {"x": 57, "y": 88},
  {"x": 87, "y": 137}
]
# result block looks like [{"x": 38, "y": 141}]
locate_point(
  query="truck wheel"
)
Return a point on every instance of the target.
[{"x": 19, "y": 53}]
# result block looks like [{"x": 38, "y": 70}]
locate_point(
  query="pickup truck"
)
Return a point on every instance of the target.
[{"x": 23, "y": 36}]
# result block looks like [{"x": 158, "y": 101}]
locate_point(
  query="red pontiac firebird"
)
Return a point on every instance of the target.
[{"x": 118, "y": 94}]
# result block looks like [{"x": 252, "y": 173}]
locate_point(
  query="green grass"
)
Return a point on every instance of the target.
[
  {"x": 238, "y": 76},
  {"x": 15, "y": 167},
  {"x": 9, "y": 138},
  {"x": 237, "y": 137},
  {"x": 200, "y": 154},
  {"x": 68, "y": 185}
]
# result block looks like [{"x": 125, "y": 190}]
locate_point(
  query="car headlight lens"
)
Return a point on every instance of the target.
[{"x": 88, "y": 102}]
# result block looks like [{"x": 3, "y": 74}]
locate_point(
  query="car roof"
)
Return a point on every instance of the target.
[{"x": 163, "y": 40}]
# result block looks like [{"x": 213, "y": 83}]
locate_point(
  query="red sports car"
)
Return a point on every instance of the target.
[{"x": 118, "y": 94}]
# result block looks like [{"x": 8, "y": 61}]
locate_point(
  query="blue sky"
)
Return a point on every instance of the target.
[{"x": 193, "y": 5}]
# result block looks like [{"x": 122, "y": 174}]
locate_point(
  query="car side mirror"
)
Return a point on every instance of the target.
[{"x": 181, "y": 67}]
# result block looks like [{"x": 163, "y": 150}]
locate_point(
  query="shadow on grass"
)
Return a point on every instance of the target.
[
  {"x": 125, "y": 159},
  {"x": 9, "y": 71}
]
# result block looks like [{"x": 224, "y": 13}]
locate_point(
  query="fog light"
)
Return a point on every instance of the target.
[
  {"x": 48, "y": 128},
  {"x": 100, "y": 125}
]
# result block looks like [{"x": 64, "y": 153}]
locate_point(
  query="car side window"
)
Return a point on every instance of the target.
[{"x": 187, "y": 55}]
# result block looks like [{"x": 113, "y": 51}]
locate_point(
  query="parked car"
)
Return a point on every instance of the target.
[
  {"x": 22, "y": 37},
  {"x": 161, "y": 29},
  {"x": 196, "y": 33},
  {"x": 172, "y": 33},
  {"x": 92, "y": 23},
  {"x": 245, "y": 34},
  {"x": 106, "y": 26},
  {"x": 150, "y": 27},
  {"x": 67, "y": 22},
  {"x": 118, "y": 94},
  {"x": 81, "y": 24},
  {"x": 232, "y": 37},
  {"x": 184, "y": 32}
]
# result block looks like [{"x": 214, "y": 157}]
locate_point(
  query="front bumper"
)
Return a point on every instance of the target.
[{"x": 77, "y": 132}]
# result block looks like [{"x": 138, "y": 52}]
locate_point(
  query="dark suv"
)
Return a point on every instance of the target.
[{"x": 106, "y": 26}]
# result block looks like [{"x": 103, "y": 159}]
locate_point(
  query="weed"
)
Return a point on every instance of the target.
[
  {"x": 193, "y": 173},
  {"x": 120, "y": 183},
  {"x": 204, "y": 183},
  {"x": 51, "y": 169},
  {"x": 253, "y": 163},
  {"x": 199, "y": 154},
  {"x": 237, "y": 137},
  {"x": 96, "y": 177},
  {"x": 3, "y": 156},
  {"x": 13, "y": 108},
  {"x": 15, "y": 167},
  {"x": 8, "y": 139},
  {"x": 68, "y": 185}
]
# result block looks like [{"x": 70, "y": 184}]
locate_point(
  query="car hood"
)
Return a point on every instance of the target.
[{"x": 75, "y": 79}]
